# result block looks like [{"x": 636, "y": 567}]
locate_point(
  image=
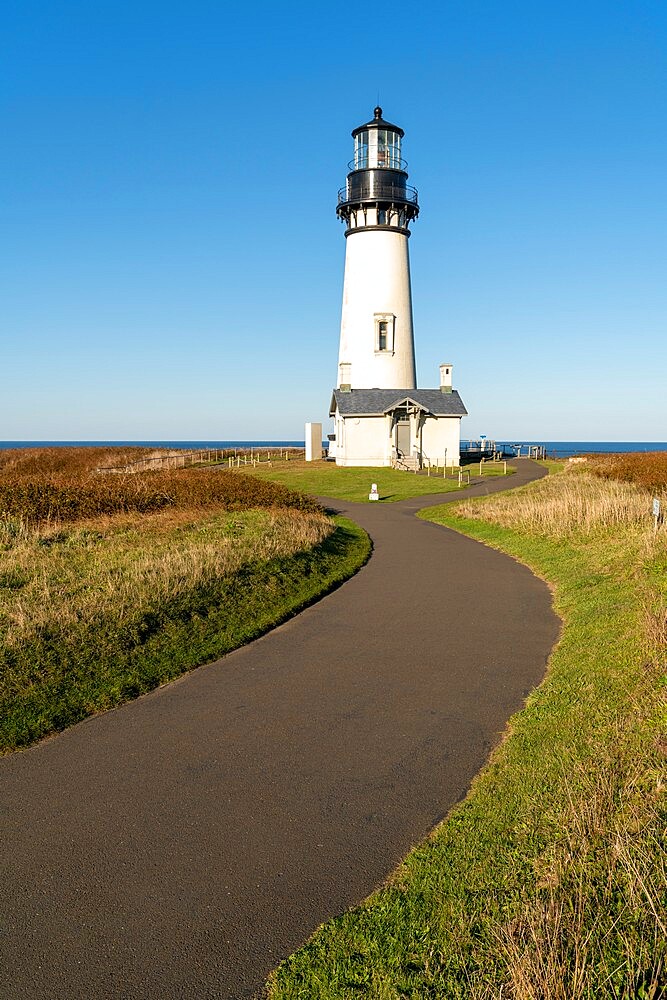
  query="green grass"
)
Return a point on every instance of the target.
[
  {"x": 548, "y": 881},
  {"x": 88, "y": 661},
  {"x": 330, "y": 480},
  {"x": 552, "y": 465}
]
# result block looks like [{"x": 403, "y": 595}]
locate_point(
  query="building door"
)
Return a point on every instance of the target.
[{"x": 403, "y": 438}]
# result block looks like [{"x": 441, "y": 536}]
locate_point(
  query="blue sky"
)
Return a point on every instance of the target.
[{"x": 171, "y": 264}]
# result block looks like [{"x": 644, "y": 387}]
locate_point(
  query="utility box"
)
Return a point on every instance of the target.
[{"x": 313, "y": 442}]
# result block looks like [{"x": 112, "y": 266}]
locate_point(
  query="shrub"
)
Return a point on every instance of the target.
[
  {"x": 41, "y": 486},
  {"x": 648, "y": 469}
]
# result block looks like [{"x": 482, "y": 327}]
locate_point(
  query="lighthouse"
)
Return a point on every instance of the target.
[
  {"x": 377, "y": 206},
  {"x": 381, "y": 417}
]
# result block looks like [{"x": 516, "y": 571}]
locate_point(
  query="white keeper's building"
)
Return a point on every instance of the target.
[{"x": 380, "y": 417}]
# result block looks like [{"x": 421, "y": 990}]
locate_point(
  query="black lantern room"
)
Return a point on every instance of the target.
[{"x": 376, "y": 194}]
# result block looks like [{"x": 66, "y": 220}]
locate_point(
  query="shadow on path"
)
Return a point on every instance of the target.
[{"x": 182, "y": 845}]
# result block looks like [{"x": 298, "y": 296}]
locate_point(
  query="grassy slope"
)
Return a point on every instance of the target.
[
  {"x": 549, "y": 880},
  {"x": 63, "y": 674},
  {"x": 327, "y": 479}
]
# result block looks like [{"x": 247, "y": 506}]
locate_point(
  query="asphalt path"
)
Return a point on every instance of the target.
[{"x": 182, "y": 845}]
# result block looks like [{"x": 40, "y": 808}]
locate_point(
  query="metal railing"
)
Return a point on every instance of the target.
[
  {"x": 381, "y": 192},
  {"x": 387, "y": 162}
]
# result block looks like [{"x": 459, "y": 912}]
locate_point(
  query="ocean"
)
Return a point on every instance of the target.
[
  {"x": 565, "y": 449},
  {"x": 555, "y": 449}
]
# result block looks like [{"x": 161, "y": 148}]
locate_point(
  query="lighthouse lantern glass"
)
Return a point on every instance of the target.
[
  {"x": 394, "y": 150},
  {"x": 361, "y": 151},
  {"x": 377, "y": 148}
]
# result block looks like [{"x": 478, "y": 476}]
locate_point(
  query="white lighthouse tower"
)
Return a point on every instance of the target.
[
  {"x": 381, "y": 417},
  {"x": 377, "y": 206}
]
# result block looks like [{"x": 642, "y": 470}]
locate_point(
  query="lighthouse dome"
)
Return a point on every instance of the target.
[{"x": 378, "y": 122}]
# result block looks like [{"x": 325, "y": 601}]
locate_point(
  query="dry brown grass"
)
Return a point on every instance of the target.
[
  {"x": 66, "y": 461},
  {"x": 559, "y": 506},
  {"x": 647, "y": 469},
  {"x": 613, "y": 835},
  {"x": 60, "y": 484},
  {"x": 62, "y": 576}
]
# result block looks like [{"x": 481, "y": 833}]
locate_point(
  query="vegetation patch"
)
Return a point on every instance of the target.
[
  {"x": 329, "y": 480},
  {"x": 40, "y": 485},
  {"x": 112, "y": 585},
  {"x": 549, "y": 880},
  {"x": 103, "y": 616},
  {"x": 647, "y": 469}
]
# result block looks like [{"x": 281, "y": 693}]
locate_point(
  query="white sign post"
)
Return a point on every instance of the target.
[
  {"x": 374, "y": 495},
  {"x": 656, "y": 512}
]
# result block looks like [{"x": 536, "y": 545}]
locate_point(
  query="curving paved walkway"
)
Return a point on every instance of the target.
[{"x": 182, "y": 845}]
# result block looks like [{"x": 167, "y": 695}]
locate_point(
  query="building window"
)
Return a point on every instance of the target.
[
  {"x": 384, "y": 333},
  {"x": 382, "y": 217}
]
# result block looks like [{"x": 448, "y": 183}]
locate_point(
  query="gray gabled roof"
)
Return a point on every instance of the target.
[{"x": 377, "y": 402}]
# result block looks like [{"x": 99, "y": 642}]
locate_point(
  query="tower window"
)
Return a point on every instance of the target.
[
  {"x": 384, "y": 333},
  {"x": 382, "y": 217}
]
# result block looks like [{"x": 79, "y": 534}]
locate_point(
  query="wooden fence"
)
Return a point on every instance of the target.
[{"x": 229, "y": 457}]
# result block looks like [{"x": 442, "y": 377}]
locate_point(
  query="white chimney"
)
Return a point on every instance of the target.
[{"x": 445, "y": 378}]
